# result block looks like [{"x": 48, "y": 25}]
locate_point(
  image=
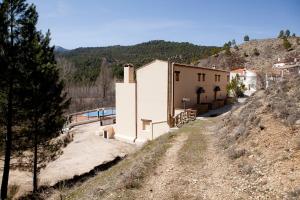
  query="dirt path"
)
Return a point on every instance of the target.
[
  {"x": 212, "y": 178},
  {"x": 160, "y": 184}
]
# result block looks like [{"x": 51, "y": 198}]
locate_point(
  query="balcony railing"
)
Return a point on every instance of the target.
[{"x": 184, "y": 117}]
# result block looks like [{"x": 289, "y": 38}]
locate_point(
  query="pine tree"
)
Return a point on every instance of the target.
[
  {"x": 233, "y": 43},
  {"x": 226, "y": 47},
  {"x": 11, "y": 13},
  {"x": 45, "y": 100},
  {"x": 246, "y": 38},
  {"x": 281, "y": 34},
  {"x": 229, "y": 43},
  {"x": 31, "y": 93},
  {"x": 287, "y": 33}
]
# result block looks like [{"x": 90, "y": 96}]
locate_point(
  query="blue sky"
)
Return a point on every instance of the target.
[{"x": 82, "y": 23}]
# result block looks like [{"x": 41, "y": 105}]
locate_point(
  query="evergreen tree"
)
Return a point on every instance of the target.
[
  {"x": 11, "y": 13},
  {"x": 246, "y": 38},
  {"x": 287, "y": 33},
  {"x": 229, "y": 43},
  {"x": 281, "y": 34},
  {"x": 294, "y": 35},
  {"x": 45, "y": 101},
  {"x": 226, "y": 47},
  {"x": 31, "y": 93},
  {"x": 233, "y": 43}
]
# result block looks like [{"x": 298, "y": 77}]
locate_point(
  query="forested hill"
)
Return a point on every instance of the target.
[{"x": 86, "y": 62}]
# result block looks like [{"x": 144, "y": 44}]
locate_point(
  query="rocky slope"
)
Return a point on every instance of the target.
[
  {"x": 262, "y": 138},
  {"x": 268, "y": 49}
]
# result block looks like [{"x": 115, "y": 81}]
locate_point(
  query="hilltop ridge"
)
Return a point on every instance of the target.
[{"x": 244, "y": 55}]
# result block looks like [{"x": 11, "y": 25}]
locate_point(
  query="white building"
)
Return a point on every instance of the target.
[
  {"x": 288, "y": 66},
  {"x": 247, "y": 77}
]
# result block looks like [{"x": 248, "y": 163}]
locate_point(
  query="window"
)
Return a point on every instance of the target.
[
  {"x": 203, "y": 77},
  {"x": 199, "y": 76},
  {"x": 177, "y": 75},
  {"x": 219, "y": 78},
  {"x": 216, "y": 77},
  {"x": 146, "y": 124}
]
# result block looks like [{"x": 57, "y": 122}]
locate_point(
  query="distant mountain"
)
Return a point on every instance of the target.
[
  {"x": 87, "y": 61},
  {"x": 60, "y": 49}
]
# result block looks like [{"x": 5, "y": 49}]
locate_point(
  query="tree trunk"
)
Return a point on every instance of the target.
[
  {"x": 8, "y": 138},
  {"x": 35, "y": 158}
]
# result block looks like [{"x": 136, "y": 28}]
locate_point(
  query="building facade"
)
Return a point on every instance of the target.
[
  {"x": 247, "y": 77},
  {"x": 151, "y": 96}
]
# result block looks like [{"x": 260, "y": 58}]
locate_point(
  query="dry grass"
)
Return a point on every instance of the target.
[
  {"x": 236, "y": 153},
  {"x": 261, "y": 139},
  {"x": 298, "y": 143},
  {"x": 120, "y": 181},
  {"x": 295, "y": 194},
  {"x": 12, "y": 191},
  {"x": 193, "y": 148}
]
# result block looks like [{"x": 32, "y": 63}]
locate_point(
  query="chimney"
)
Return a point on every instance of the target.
[{"x": 129, "y": 73}]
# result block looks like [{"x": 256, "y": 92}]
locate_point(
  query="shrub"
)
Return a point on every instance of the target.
[
  {"x": 236, "y": 87},
  {"x": 298, "y": 143},
  {"x": 12, "y": 191},
  {"x": 226, "y": 47},
  {"x": 246, "y": 169},
  {"x": 235, "y": 154},
  {"x": 255, "y": 52},
  {"x": 287, "y": 45},
  {"x": 295, "y": 194}
]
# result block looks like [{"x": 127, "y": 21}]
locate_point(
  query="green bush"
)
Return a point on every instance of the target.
[
  {"x": 255, "y": 52},
  {"x": 287, "y": 45}
]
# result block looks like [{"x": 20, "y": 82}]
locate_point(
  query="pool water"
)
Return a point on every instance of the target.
[{"x": 101, "y": 113}]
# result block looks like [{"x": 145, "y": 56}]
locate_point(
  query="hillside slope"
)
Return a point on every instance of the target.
[
  {"x": 262, "y": 138},
  {"x": 86, "y": 62},
  {"x": 269, "y": 51}
]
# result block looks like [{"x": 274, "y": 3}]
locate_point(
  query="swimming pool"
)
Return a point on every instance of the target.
[{"x": 101, "y": 113}]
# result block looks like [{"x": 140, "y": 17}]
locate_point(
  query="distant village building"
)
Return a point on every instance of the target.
[
  {"x": 287, "y": 66},
  {"x": 247, "y": 77},
  {"x": 151, "y": 97}
]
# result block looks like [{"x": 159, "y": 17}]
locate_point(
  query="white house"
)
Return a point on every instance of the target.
[
  {"x": 289, "y": 66},
  {"x": 247, "y": 77}
]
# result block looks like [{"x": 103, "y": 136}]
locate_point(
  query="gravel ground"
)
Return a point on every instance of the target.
[{"x": 84, "y": 153}]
